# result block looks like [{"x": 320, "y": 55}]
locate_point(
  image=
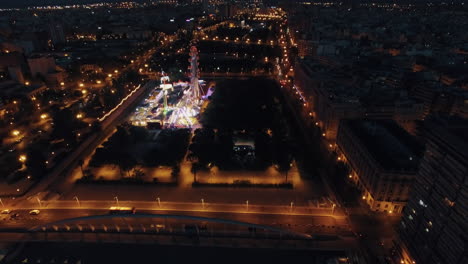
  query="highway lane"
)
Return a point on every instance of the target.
[{"x": 296, "y": 223}]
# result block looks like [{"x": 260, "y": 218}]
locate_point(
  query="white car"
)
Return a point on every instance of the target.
[
  {"x": 34, "y": 212},
  {"x": 6, "y": 211}
]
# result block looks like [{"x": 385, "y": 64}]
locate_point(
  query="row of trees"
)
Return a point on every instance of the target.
[
  {"x": 130, "y": 147},
  {"x": 252, "y": 107}
]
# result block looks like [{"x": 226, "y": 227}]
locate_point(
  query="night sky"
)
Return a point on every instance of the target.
[{"x": 23, "y": 3}]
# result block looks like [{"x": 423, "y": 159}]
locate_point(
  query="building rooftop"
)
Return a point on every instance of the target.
[{"x": 391, "y": 146}]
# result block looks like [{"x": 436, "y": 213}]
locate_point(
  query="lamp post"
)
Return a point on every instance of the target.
[
  {"x": 117, "y": 200},
  {"x": 77, "y": 200},
  {"x": 39, "y": 201},
  {"x": 247, "y": 204},
  {"x": 203, "y": 203},
  {"x": 159, "y": 201},
  {"x": 291, "y": 206}
]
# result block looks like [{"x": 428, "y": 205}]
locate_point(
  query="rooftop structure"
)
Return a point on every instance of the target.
[{"x": 383, "y": 159}]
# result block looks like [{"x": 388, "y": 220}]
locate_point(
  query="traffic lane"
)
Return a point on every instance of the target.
[{"x": 297, "y": 223}]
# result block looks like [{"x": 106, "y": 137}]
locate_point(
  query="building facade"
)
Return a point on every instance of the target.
[
  {"x": 383, "y": 161},
  {"x": 434, "y": 225}
]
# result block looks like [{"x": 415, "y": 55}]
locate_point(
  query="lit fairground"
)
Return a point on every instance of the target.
[{"x": 174, "y": 105}]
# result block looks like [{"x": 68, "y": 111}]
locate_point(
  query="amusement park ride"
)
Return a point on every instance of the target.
[
  {"x": 184, "y": 112},
  {"x": 188, "y": 107}
]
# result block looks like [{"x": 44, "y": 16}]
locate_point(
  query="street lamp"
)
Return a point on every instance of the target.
[
  {"x": 77, "y": 200},
  {"x": 22, "y": 158}
]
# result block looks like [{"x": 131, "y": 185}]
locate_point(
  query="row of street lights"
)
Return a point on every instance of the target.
[{"x": 158, "y": 200}]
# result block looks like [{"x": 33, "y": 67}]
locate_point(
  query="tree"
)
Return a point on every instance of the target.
[
  {"x": 138, "y": 174},
  {"x": 137, "y": 133},
  {"x": 126, "y": 162},
  {"x": 36, "y": 160},
  {"x": 65, "y": 123},
  {"x": 194, "y": 169},
  {"x": 119, "y": 140},
  {"x": 81, "y": 162}
]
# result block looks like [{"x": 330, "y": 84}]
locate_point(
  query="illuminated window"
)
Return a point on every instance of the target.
[
  {"x": 421, "y": 202},
  {"x": 448, "y": 202}
]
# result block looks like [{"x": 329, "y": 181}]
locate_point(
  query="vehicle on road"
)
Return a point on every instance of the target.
[
  {"x": 6, "y": 211},
  {"x": 15, "y": 215},
  {"x": 34, "y": 212},
  {"x": 121, "y": 210}
]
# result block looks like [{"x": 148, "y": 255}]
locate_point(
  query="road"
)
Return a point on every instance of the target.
[{"x": 303, "y": 224}]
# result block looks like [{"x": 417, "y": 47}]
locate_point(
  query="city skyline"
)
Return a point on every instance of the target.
[{"x": 324, "y": 132}]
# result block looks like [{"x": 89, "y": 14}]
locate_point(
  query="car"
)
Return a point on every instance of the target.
[
  {"x": 34, "y": 212},
  {"x": 6, "y": 211},
  {"x": 15, "y": 215}
]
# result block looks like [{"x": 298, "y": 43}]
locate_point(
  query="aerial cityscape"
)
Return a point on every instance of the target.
[{"x": 222, "y": 131}]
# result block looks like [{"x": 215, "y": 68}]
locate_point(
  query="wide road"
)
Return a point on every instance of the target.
[{"x": 297, "y": 223}]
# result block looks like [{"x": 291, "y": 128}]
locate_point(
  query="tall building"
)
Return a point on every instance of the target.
[
  {"x": 205, "y": 5},
  {"x": 434, "y": 225},
  {"x": 383, "y": 159},
  {"x": 45, "y": 67},
  {"x": 16, "y": 74},
  {"x": 57, "y": 35},
  {"x": 41, "y": 65}
]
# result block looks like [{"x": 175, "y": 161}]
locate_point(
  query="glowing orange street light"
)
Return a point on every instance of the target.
[{"x": 22, "y": 158}]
